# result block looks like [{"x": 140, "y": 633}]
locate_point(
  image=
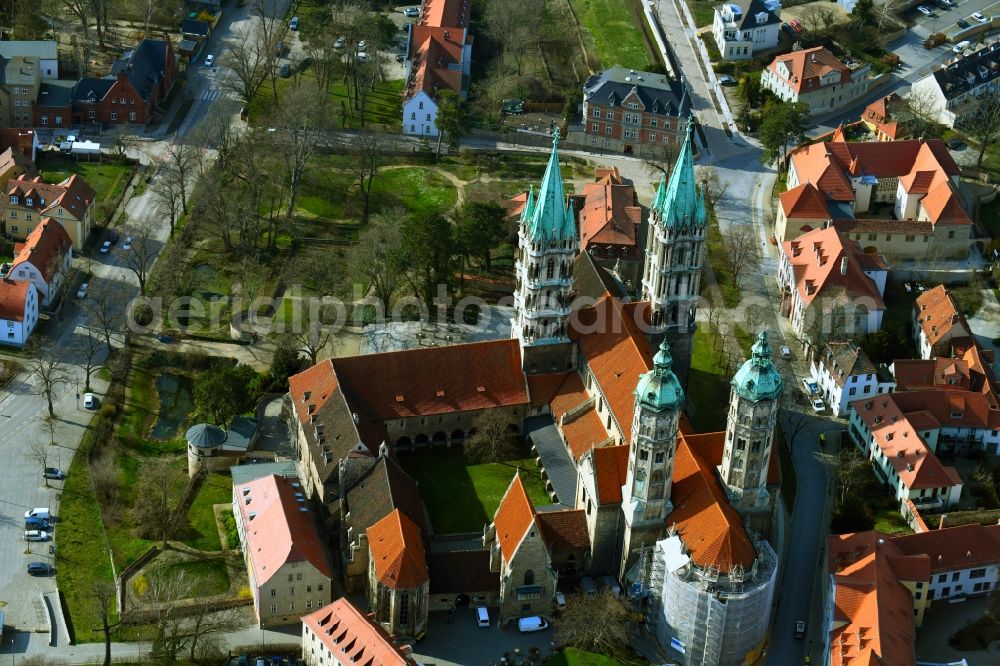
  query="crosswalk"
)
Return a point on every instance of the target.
[{"x": 212, "y": 94}]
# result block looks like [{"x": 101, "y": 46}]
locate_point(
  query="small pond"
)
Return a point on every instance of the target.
[{"x": 175, "y": 404}]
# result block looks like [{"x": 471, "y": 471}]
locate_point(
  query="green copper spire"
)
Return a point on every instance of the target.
[
  {"x": 758, "y": 379},
  {"x": 549, "y": 217},
  {"x": 659, "y": 389},
  {"x": 678, "y": 202}
]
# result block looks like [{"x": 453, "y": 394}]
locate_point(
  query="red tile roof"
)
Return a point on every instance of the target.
[
  {"x": 436, "y": 59},
  {"x": 348, "y": 633},
  {"x": 710, "y": 527},
  {"x": 542, "y": 388},
  {"x": 804, "y": 202},
  {"x": 278, "y": 527},
  {"x": 816, "y": 259},
  {"x": 610, "y": 469},
  {"x": 13, "y": 296},
  {"x": 44, "y": 248},
  {"x": 513, "y": 518},
  {"x": 616, "y": 350},
  {"x": 939, "y": 315},
  {"x": 73, "y": 195},
  {"x": 434, "y": 380},
  {"x": 564, "y": 529},
  {"x": 610, "y": 215},
  {"x": 810, "y": 65},
  {"x": 873, "y": 611},
  {"x": 936, "y": 373},
  {"x": 445, "y": 13},
  {"x": 397, "y": 551},
  {"x": 954, "y": 548}
]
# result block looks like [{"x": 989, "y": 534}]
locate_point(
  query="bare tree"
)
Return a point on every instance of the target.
[
  {"x": 924, "y": 108},
  {"x": 885, "y": 13},
  {"x": 104, "y": 598},
  {"x": 493, "y": 440},
  {"x": 367, "y": 158},
  {"x": 205, "y": 624},
  {"x": 983, "y": 124},
  {"x": 140, "y": 256},
  {"x": 38, "y": 453},
  {"x": 378, "y": 256},
  {"x": 595, "y": 622},
  {"x": 314, "y": 339},
  {"x": 154, "y": 508},
  {"x": 712, "y": 187},
  {"x": 246, "y": 59},
  {"x": 49, "y": 373},
  {"x": 105, "y": 303},
  {"x": 166, "y": 191},
  {"x": 818, "y": 18},
  {"x": 124, "y": 139},
  {"x": 164, "y": 594},
  {"x": 739, "y": 245},
  {"x": 303, "y": 122},
  {"x": 851, "y": 472},
  {"x": 183, "y": 160}
]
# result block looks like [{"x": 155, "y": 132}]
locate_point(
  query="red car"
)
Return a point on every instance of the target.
[{"x": 796, "y": 25}]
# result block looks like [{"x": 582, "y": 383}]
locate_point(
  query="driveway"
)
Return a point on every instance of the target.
[
  {"x": 463, "y": 642},
  {"x": 944, "y": 619}
]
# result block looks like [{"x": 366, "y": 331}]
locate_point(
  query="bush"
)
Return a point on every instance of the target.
[
  {"x": 891, "y": 60},
  {"x": 852, "y": 516}
]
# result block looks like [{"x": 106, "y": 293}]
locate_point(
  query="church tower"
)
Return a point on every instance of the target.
[
  {"x": 753, "y": 414},
  {"x": 675, "y": 251},
  {"x": 659, "y": 400},
  {"x": 547, "y": 245}
]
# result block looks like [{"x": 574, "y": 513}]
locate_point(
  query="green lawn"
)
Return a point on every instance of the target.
[
  {"x": 722, "y": 272},
  {"x": 708, "y": 387},
  {"x": 210, "y": 576},
  {"x": 617, "y": 35},
  {"x": 703, "y": 13},
  {"x": 462, "y": 497},
  {"x": 417, "y": 189},
  {"x": 83, "y": 558},
  {"x": 108, "y": 178},
  {"x": 576, "y": 657},
  {"x": 204, "y": 532}
]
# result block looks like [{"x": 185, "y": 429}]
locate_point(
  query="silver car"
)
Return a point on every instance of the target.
[{"x": 36, "y": 535}]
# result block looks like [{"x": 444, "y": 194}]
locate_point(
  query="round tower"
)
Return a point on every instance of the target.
[
  {"x": 204, "y": 440},
  {"x": 753, "y": 413}
]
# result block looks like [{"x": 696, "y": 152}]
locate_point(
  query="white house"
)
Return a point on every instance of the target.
[
  {"x": 420, "y": 115},
  {"x": 937, "y": 321},
  {"x": 818, "y": 78},
  {"x": 743, "y": 30},
  {"x": 47, "y": 53},
  {"x": 44, "y": 259},
  {"x": 965, "y": 560},
  {"x": 951, "y": 91},
  {"x": 18, "y": 311},
  {"x": 844, "y": 373},
  {"x": 900, "y": 433}
]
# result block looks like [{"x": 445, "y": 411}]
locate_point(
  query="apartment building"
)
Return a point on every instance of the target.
[{"x": 818, "y": 78}]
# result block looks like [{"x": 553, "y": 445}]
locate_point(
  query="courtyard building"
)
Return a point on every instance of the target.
[
  {"x": 844, "y": 373},
  {"x": 938, "y": 323},
  {"x": 398, "y": 579},
  {"x": 818, "y": 78},
  {"x": 609, "y": 221},
  {"x": 341, "y": 635}
]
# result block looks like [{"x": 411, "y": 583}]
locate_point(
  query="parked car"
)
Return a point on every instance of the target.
[
  {"x": 209, "y": 60},
  {"x": 818, "y": 406},
  {"x": 36, "y": 535},
  {"x": 362, "y": 45},
  {"x": 925, "y": 10},
  {"x": 54, "y": 473},
  {"x": 979, "y": 17},
  {"x": 532, "y": 623},
  {"x": 908, "y": 287},
  {"x": 362, "y": 56},
  {"x": 482, "y": 616},
  {"x": 796, "y": 25},
  {"x": 800, "y": 629},
  {"x": 39, "y": 568},
  {"x": 811, "y": 387},
  {"x": 340, "y": 43},
  {"x": 400, "y": 57},
  {"x": 82, "y": 291},
  {"x": 787, "y": 28},
  {"x": 127, "y": 245},
  {"x": 957, "y": 145},
  {"x": 610, "y": 583},
  {"x": 294, "y": 23},
  {"x": 90, "y": 401},
  {"x": 785, "y": 352},
  {"x": 588, "y": 585},
  {"x": 961, "y": 46},
  {"x": 34, "y": 523},
  {"x": 962, "y": 23},
  {"x": 165, "y": 339},
  {"x": 560, "y": 600},
  {"x": 106, "y": 247},
  {"x": 285, "y": 71},
  {"x": 411, "y": 12},
  {"x": 726, "y": 80},
  {"x": 42, "y": 513},
  {"x": 945, "y": 4}
]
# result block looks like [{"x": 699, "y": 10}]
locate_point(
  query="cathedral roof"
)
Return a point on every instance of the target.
[
  {"x": 678, "y": 202},
  {"x": 548, "y": 215},
  {"x": 758, "y": 379},
  {"x": 659, "y": 388}
]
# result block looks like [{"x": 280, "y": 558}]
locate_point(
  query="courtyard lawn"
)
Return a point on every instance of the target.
[
  {"x": 708, "y": 387},
  {"x": 616, "y": 32},
  {"x": 417, "y": 189},
  {"x": 462, "y": 497},
  {"x": 203, "y": 533},
  {"x": 703, "y": 13},
  {"x": 576, "y": 657},
  {"x": 108, "y": 178},
  {"x": 209, "y": 576}
]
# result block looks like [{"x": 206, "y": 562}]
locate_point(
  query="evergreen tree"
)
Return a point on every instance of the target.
[
  {"x": 784, "y": 123},
  {"x": 452, "y": 119},
  {"x": 28, "y": 22}
]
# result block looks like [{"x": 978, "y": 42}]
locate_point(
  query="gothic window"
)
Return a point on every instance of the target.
[
  {"x": 529, "y": 577},
  {"x": 737, "y": 478},
  {"x": 640, "y": 474},
  {"x": 643, "y": 454},
  {"x": 658, "y": 458},
  {"x": 738, "y": 463},
  {"x": 755, "y": 447},
  {"x": 404, "y": 609},
  {"x": 550, "y": 269},
  {"x": 656, "y": 485},
  {"x": 741, "y": 444}
]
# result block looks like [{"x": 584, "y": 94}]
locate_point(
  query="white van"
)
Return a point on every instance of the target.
[
  {"x": 482, "y": 616},
  {"x": 533, "y": 623},
  {"x": 41, "y": 514},
  {"x": 961, "y": 46}
]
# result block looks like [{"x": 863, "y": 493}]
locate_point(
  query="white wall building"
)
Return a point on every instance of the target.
[
  {"x": 47, "y": 53},
  {"x": 844, "y": 373},
  {"x": 18, "y": 311},
  {"x": 743, "y": 30},
  {"x": 952, "y": 90},
  {"x": 818, "y": 78}
]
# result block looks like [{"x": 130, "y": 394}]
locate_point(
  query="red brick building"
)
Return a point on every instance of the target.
[
  {"x": 139, "y": 82},
  {"x": 635, "y": 113}
]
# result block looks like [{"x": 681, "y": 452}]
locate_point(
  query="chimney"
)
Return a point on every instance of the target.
[
  {"x": 843, "y": 266},
  {"x": 945, "y": 515}
]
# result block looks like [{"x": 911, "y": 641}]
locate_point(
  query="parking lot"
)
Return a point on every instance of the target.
[{"x": 464, "y": 642}]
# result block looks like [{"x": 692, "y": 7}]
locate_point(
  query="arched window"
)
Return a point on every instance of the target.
[
  {"x": 656, "y": 485},
  {"x": 529, "y": 577},
  {"x": 550, "y": 269}
]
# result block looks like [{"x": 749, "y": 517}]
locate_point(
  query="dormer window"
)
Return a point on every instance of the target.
[
  {"x": 28, "y": 202},
  {"x": 13, "y": 198}
]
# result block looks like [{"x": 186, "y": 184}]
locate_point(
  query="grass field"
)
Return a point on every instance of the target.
[
  {"x": 83, "y": 558},
  {"x": 203, "y": 531},
  {"x": 577, "y": 657},
  {"x": 462, "y": 497},
  {"x": 108, "y": 178},
  {"x": 616, "y": 34},
  {"x": 707, "y": 387},
  {"x": 209, "y": 576}
]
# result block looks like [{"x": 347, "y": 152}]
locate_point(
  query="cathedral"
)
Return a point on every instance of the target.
[{"x": 679, "y": 518}]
